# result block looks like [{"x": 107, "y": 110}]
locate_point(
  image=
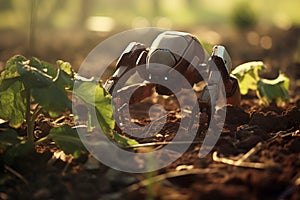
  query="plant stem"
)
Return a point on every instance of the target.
[
  {"x": 35, "y": 113},
  {"x": 28, "y": 116},
  {"x": 32, "y": 27},
  {"x": 44, "y": 139}
]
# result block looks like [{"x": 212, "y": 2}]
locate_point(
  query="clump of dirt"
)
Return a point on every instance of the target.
[{"x": 276, "y": 119}]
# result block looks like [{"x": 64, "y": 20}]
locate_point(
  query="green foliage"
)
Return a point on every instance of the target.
[
  {"x": 277, "y": 89},
  {"x": 8, "y": 138},
  {"x": 247, "y": 74},
  {"x": 122, "y": 140},
  {"x": 243, "y": 16},
  {"x": 96, "y": 98},
  {"x": 13, "y": 146},
  {"x": 267, "y": 90},
  {"x": 67, "y": 139},
  {"x": 44, "y": 83},
  {"x": 27, "y": 81},
  {"x": 52, "y": 99},
  {"x": 5, "y": 5},
  {"x": 12, "y": 102}
]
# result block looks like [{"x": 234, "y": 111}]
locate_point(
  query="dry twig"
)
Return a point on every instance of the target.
[
  {"x": 241, "y": 162},
  {"x": 17, "y": 174},
  {"x": 168, "y": 175}
]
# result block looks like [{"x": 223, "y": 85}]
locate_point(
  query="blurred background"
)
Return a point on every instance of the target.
[{"x": 265, "y": 30}]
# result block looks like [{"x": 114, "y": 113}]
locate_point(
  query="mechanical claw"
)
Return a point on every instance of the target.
[{"x": 127, "y": 61}]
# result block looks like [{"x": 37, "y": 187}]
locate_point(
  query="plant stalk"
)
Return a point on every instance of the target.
[
  {"x": 29, "y": 122},
  {"x": 32, "y": 27}
]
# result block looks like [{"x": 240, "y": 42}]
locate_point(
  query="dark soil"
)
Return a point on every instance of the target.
[{"x": 277, "y": 129}]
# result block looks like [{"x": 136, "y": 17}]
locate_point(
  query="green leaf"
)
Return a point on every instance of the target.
[
  {"x": 13, "y": 145},
  {"x": 66, "y": 67},
  {"x": 67, "y": 139},
  {"x": 12, "y": 102},
  {"x": 6, "y": 83},
  {"x": 94, "y": 95},
  {"x": 33, "y": 77},
  {"x": 274, "y": 90},
  {"x": 8, "y": 138},
  {"x": 18, "y": 150},
  {"x": 65, "y": 78},
  {"x": 11, "y": 68},
  {"x": 247, "y": 75},
  {"x": 64, "y": 81},
  {"x": 47, "y": 85},
  {"x": 43, "y": 66},
  {"x": 52, "y": 99},
  {"x": 123, "y": 140},
  {"x": 266, "y": 90}
]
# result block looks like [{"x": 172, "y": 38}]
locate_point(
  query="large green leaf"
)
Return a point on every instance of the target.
[
  {"x": 95, "y": 96},
  {"x": 12, "y": 102},
  {"x": 43, "y": 66},
  {"x": 274, "y": 90},
  {"x": 33, "y": 77},
  {"x": 247, "y": 75},
  {"x": 53, "y": 99},
  {"x": 67, "y": 139}
]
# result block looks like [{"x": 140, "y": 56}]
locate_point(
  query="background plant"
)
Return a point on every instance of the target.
[{"x": 267, "y": 90}]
